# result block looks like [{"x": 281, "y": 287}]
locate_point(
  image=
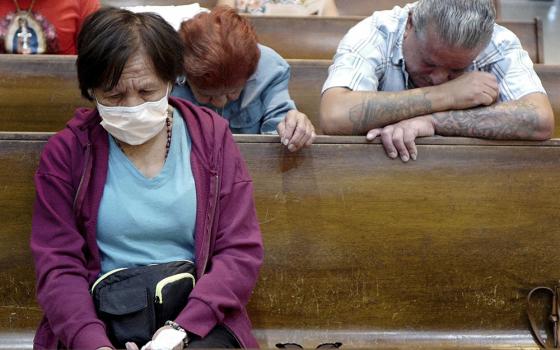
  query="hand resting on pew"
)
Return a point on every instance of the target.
[
  {"x": 464, "y": 95},
  {"x": 296, "y": 131},
  {"x": 430, "y": 71},
  {"x": 246, "y": 83}
]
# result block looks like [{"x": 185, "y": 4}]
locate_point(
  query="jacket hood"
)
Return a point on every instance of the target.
[{"x": 84, "y": 119}]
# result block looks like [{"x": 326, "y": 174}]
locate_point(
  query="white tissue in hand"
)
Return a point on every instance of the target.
[{"x": 167, "y": 339}]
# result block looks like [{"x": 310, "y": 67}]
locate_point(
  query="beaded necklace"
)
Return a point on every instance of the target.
[{"x": 168, "y": 125}]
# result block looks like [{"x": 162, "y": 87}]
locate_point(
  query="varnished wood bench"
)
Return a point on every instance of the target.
[
  {"x": 40, "y": 93},
  {"x": 318, "y": 37},
  {"x": 367, "y": 7},
  {"x": 360, "y": 249},
  {"x": 345, "y": 7}
]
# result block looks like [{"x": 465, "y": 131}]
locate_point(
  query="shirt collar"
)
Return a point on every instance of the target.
[{"x": 397, "y": 56}]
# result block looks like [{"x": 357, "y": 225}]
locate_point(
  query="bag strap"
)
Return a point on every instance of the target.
[{"x": 552, "y": 318}]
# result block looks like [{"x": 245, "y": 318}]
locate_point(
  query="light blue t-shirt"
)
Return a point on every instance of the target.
[
  {"x": 145, "y": 221},
  {"x": 264, "y": 101}
]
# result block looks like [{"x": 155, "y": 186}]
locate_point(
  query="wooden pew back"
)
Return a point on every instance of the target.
[
  {"x": 362, "y": 249},
  {"x": 367, "y": 7},
  {"x": 318, "y": 37},
  {"x": 40, "y": 93},
  {"x": 345, "y": 7}
]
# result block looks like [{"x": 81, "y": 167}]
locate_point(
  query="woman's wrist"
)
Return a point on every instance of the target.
[{"x": 178, "y": 327}]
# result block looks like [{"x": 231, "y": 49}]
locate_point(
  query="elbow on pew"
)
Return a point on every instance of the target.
[
  {"x": 329, "y": 124},
  {"x": 547, "y": 126},
  {"x": 544, "y": 129},
  {"x": 334, "y": 113}
]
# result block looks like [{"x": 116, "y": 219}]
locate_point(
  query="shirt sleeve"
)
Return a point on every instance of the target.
[
  {"x": 58, "y": 249},
  {"x": 515, "y": 73},
  {"x": 357, "y": 58},
  {"x": 87, "y": 7},
  {"x": 277, "y": 102}
]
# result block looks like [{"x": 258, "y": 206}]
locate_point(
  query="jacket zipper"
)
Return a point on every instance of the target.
[
  {"x": 170, "y": 279},
  {"x": 84, "y": 180},
  {"x": 234, "y": 336},
  {"x": 209, "y": 228},
  {"x": 105, "y": 275}
]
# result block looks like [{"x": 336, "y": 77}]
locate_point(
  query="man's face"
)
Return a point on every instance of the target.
[{"x": 429, "y": 61}]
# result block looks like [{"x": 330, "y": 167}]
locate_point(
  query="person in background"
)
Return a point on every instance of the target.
[
  {"x": 434, "y": 68},
  {"x": 283, "y": 7},
  {"x": 246, "y": 83},
  {"x": 42, "y": 26},
  {"x": 142, "y": 179}
]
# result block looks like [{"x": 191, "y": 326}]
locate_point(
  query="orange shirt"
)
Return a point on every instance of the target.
[{"x": 60, "y": 21}]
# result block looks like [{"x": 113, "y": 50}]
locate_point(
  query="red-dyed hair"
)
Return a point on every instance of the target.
[{"x": 220, "y": 48}]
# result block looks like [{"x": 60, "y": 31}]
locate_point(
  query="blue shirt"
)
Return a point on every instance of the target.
[
  {"x": 263, "y": 102},
  {"x": 370, "y": 58},
  {"x": 145, "y": 221}
]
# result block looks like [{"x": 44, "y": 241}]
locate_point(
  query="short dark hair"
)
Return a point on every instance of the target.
[{"x": 110, "y": 36}]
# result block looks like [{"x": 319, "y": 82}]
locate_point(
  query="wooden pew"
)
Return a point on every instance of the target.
[
  {"x": 345, "y": 7},
  {"x": 40, "y": 93},
  {"x": 437, "y": 253},
  {"x": 118, "y": 3},
  {"x": 318, "y": 37},
  {"x": 367, "y": 7}
]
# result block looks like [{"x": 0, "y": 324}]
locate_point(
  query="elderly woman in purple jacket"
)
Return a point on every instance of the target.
[{"x": 142, "y": 179}]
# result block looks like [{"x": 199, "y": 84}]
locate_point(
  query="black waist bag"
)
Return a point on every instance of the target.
[{"x": 133, "y": 303}]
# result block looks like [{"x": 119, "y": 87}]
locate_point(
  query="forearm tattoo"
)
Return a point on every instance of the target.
[
  {"x": 517, "y": 120},
  {"x": 378, "y": 110}
]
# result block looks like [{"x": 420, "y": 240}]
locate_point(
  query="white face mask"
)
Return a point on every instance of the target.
[{"x": 135, "y": 125}]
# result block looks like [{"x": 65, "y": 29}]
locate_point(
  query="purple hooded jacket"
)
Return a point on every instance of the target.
[{"x": 69, "y": 185}]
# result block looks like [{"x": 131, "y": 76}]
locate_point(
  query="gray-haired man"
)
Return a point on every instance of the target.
[{"x": 434, "y": 67}]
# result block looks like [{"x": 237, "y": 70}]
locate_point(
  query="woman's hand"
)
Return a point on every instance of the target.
[
  {"x": 166, "y": 338},
  {"x": 296, "y": 131}
]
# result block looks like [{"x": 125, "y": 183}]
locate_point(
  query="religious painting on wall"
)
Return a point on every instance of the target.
[{"x": 26, "y": 32}]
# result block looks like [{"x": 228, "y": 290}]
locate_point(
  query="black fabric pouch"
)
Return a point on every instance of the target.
[{"x": 133, "y": 303}]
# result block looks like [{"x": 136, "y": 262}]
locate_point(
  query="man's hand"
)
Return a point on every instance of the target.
[
  {"x": 398, "y": 139},
  {"x": 471, "y": 89},
  {"x": 296, "y": 131}
]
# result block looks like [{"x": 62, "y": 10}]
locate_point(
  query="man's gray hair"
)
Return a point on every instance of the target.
[{"x": 466, "y": 24}]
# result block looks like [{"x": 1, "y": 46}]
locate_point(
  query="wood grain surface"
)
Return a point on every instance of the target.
[
  {"x": 40, "y": 93},
  {"x": 359, "y": 244},
  {"x": 367, "y": 7},
  {"x": 318, "y": 37}
]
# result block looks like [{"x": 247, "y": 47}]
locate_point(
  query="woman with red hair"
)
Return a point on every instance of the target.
[{"x": 243, "y": 81}]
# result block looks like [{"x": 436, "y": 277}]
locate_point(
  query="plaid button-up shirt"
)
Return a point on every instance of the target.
[{"x": 370, "y": 58}]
